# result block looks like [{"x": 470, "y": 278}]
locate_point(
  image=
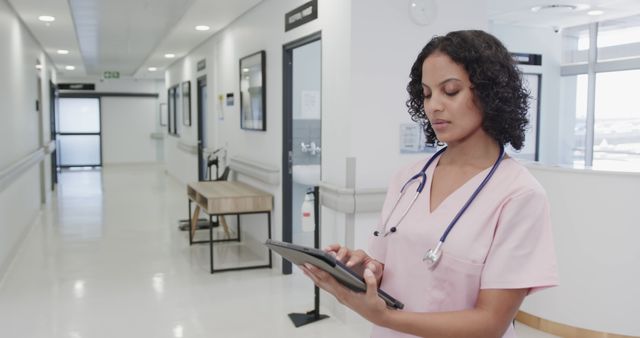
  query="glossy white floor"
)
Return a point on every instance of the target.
[{"x": 106, "y": 260}]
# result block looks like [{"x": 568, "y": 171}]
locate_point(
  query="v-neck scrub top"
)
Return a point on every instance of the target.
[{"x": 502, "y": 241}]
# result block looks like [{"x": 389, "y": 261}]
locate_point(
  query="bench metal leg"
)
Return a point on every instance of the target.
[
  {"x": 239, "y": 232},
  {"x": 212, "y": 241}
]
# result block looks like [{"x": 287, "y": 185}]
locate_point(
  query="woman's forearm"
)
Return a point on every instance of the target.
[
  {"x": 460, "y": 324},
  {"x": 491, "y": 316}
]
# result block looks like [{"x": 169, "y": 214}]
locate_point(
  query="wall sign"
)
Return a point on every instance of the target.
[
  {"x": 412, "y": 139},
  {"x": 527, "y": 59},
  {"x": 202, "y": 64},
  {"x": 76, "y": 86},
  {"x": 111, "y": 75},
  {"x": 229, "y": 99},
  {"x": 301, "y": 15}
]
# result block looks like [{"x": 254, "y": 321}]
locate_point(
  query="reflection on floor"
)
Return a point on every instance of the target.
[{"x": 106, "y": 260}]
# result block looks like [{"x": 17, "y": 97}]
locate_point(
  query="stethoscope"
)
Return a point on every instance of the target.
[{"x": 432, "y": 256}]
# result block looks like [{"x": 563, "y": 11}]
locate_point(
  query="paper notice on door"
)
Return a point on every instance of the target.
[{"x": 310, "y": 104}]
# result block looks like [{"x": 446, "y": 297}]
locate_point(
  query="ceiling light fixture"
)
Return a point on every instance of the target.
[
  {"x": 69, "y": 67},
  {"x": 152, "y": 69},
  {"x": 63, "y": 51},
  {"x": 595, "y": 12},
  {"x": 169, "y": 55},
  {"x": 202, "y": 28},
  {"x": 46, "y": 18},
  {"x": 560, "y": 8}
]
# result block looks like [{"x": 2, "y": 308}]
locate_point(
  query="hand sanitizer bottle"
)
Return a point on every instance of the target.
[{"x": 308, "y": 217}]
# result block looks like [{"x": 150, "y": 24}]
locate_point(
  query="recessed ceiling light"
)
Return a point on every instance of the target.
[
  {"x": 69, "y": 67},
  {"x": 38, "y": 66},
  {"x": 560, "y": 8},
  {"x": 202, "y": 28},
  {"x": 63, "y": 51},
  {"x": 152, "y": 69},
  {"x": 169, "y": 56},
  {"x": 245, "y": 70},
  {"x": 595, "y": 12},
  {"x": 46, "y": 18}
]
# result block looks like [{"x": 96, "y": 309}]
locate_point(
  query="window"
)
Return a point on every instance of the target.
[
  {"x": 575, "y": 120},
  {"x": 616, "y": 142},
  {"x": 605, "y": 118},
  {"x": 575, "y": 45}
]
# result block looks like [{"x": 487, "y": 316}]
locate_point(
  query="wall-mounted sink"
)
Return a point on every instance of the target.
[{"x": 306, "y": 174}]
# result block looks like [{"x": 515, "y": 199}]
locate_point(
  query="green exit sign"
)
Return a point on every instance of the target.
[{"x": 111, "y": 75}]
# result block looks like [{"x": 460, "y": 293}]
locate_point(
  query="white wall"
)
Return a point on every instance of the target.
[
  {"x": 19, "y": 129},
  {"x": 127, "y": 123},
  {"x": 595, "y": 225}
]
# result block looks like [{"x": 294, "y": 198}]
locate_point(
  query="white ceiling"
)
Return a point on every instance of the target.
[
  {"x": 518, "y": 12},
  {"x": 129, "y": 36}
]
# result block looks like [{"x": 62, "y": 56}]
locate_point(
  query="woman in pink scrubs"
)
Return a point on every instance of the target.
[{"x": 468, "y": 93}]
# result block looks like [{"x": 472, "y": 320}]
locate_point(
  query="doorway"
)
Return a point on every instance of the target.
[
  {"x": 41, "y": 128},
  {"x": 302, "y": 146},
  {"x": 53, "y": 99},
  {"x": 78, "y": 132},
  {"x": 203, "y": 175}
]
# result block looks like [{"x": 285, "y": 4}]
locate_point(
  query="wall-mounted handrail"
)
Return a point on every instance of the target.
[
  {"x": 11, "y": 173},
  {"x": 189, "y": 148},
  {"x": 351, "y": 201},
  {"x": 260, "y": 171}
]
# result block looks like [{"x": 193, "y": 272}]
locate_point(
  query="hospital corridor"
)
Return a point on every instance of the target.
[{"x": 149, "y": 149}]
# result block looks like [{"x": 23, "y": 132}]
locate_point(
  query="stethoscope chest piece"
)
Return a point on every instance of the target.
[{"x": 432, "y": 256}]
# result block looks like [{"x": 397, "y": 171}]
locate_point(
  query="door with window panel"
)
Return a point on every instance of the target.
[{"x": 78, "y": 130}]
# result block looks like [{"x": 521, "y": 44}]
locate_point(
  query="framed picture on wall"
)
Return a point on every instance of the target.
[
  {"x": 186, "y": 103},
  {"x": 171, "y": 111},
  {"x": 172, "y": 98},
  {"x": 253, "y": 92}
]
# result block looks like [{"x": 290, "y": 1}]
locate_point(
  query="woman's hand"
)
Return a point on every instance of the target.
[
  {"x": 368, "y": 304},
  {"x": 357, "y": 260}
]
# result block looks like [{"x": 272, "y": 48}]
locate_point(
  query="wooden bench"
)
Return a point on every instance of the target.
[{"x": 220, "y": 198}]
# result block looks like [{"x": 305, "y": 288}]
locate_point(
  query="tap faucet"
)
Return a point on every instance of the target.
[
  {"x": 310, "y": 148},
  {"x": 314, "y": 149}
]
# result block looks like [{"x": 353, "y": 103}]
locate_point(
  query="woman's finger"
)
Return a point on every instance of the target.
[
  {"x": 332, "y": 248},
  {"x": 342, "y": 254},
  {"x": 372, "y": 284},
  {"x": 357, "y": 257}
]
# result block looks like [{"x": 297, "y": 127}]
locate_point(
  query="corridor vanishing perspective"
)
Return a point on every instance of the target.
[{"x": 108, "y": 259}]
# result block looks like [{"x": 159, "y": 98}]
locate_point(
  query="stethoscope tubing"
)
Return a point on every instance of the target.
[
  {"x": 422, "y": 176},
  {"x": 473, "y": 196}
]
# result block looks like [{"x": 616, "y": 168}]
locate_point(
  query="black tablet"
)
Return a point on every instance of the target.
[{"x": 299, "y": 255}]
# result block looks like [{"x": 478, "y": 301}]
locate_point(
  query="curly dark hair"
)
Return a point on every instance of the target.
[{"x": 496, "y": 81}]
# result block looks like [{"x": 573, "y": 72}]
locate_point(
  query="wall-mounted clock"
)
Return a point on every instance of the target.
[{"x": 422, "y": 12}]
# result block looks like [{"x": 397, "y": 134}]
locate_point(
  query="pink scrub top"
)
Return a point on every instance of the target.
[{"x": 502, "y": 241}]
